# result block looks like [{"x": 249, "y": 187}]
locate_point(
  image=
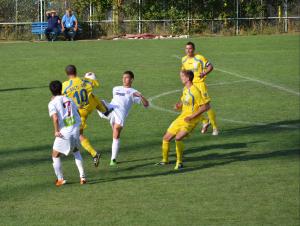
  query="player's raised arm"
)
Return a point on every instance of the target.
[{"x": 142, "y": 98}]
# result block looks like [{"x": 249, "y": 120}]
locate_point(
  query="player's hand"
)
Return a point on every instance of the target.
[
  {"x": 137, "y": 94},
  {"x": 75, "y": 28},
  {"x": 58, "y": 134},
  {"x": 203, "y": 74},
  {"x": 62, "y": 29},
  {"x": 187, "y": 119},
  {"x": 178, "y": 106}
]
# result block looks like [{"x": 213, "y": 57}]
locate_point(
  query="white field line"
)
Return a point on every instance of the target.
[
  {"x": 151, "y": 99},
  {"x": 254, "y": 80}
]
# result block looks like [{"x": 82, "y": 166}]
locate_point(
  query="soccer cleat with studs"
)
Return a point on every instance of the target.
[
  {"x": 205, "y": 127},
  {"x": 178, "y": 166},
  {"x": 82, "y": 180},
  {"x": 215, "y": 132},
  {"x": 162, "y": 163},
  {"x": 113, "y": 162},
  {"x": 96, "y": 159},
  {"x": 60, "y": 182}
]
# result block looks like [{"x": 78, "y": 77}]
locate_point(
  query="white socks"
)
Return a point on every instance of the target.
[
  {"x": 57, "y": 168},
  {"x": 115, "y": 148},
  {"x": 78, "y": 161}
]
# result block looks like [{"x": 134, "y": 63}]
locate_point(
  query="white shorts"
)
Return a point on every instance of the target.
[
  {"x": 115, "y": 117},
  {"x": 68, "y": 142}
]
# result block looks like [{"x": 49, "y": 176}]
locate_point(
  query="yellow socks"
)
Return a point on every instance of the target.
[
  {"x": 203, "y": 119},
  {"x": 179, "y": 151},
  {"x": 212, "y": 118},
  {"x": 88, "y": 147},
  {"x": 165, "y": 151}
]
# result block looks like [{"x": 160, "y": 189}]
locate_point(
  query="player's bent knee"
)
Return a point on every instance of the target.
[
  {"x": 168, "y": 137},
  {"x": 55, "y": 154}
]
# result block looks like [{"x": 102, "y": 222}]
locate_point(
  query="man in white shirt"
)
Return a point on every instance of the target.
[
  {"x": 123, "y": 98},
  {"x": 66, "y": 122}
]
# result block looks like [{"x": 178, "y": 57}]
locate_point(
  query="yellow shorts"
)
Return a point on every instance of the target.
[
  {"x": 203, "y": 89},
  {"x": 83, "y": 116},
  {"x": 180, "y": 125}
]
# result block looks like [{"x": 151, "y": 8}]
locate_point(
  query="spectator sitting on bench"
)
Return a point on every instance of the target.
[
  {"x": 53, "y": 27},
  {"x": 69, "y": 25}
]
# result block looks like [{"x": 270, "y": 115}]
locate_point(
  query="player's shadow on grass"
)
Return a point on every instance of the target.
[
  {"x": 20, "y": 151},
  {"x": 206, "y": 161},
  {"x": 228, "y": 146},
  {"x": 24, "y": 162},
  {"x": 22, "y": 88},
  {"x": 270, "y": 127}
]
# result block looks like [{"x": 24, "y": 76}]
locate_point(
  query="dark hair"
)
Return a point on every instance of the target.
[
  {"x": 55, "y": 88},
  {"x": 189, "y": 74},
  {"x": 191, "y": 44},
  {"x": 71, "y": 70},
  {"x": 130, "y": 73}
]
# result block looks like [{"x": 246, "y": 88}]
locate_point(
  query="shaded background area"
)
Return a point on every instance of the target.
[{"x": 106, "y": 18}]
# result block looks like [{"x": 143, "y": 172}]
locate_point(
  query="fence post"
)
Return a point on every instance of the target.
[
  {"x": 140, "y": 25},
  {"x": 91, "y": 22},
  {"x": 16, "y": 19},
  {"x": 188, "y": 17},
  {"x": 285, "y": 15},
  {"x": 237, "y": 17},
  {"x": 41, "y": 16}
]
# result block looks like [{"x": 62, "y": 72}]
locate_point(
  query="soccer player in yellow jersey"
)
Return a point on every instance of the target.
[
  {"x": 201, "y": 68},
  {"x": 192, "y": 105},
  {"x": 80, "y": 91}
]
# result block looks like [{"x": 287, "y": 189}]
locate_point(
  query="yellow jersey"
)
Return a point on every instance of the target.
[
  {"x": 79, "y": 90},
  {"x": 197, "y": 64},
  {"x": 191, "y": 101}
]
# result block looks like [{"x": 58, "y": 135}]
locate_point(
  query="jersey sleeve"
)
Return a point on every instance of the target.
[
  {"x": 136, "y": 100},
  {"x": 52, "y": 109},
  {"x": 114, "y": 91},
  {"x": 183, "y": 60},
  {"x": 205, "y": 61}
]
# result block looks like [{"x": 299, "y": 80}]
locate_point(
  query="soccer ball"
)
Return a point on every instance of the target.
[{"x": 90, "y": 75}]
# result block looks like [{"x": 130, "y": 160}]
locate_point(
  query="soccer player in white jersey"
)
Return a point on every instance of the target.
[
  {"x": 66, "y": 122},
  {"x": 123, "y": 98}
]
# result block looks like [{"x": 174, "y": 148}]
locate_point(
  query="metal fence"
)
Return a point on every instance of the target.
[{"x": 16, "y": 17}]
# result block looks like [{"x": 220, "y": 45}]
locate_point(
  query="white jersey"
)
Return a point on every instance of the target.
[
  {"x": 123, "y": 99},
  {"x": 67, "y": 112}
]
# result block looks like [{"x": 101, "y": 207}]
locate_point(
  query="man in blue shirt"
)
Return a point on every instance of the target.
[
  {"x": 69, "y": 25},
  {"x": 53, "y": 27}
]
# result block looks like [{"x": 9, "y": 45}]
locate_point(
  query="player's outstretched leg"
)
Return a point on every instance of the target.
[
  {"x": 212, "y": 119},
  {"x": 89, "y": 148},
  {"x": 79, "y": 164},
  {"x": 57, "y": 169}
]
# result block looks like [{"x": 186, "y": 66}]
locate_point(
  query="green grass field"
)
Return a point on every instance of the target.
[{"x": 248, "y": 175}]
